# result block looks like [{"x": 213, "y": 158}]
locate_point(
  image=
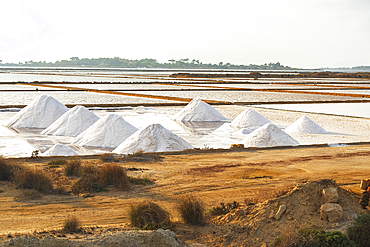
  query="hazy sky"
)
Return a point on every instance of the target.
[{"x": 298, "y": 33}]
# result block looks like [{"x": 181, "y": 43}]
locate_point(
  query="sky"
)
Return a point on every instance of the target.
[{"x": 296, "y": 33}]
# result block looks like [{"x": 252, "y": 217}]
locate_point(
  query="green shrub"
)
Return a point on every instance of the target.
[
  {"x": 73, "y": 168},
  {"x": 314, "y": 238},
  {"x": 72, "y": 225},
  {"x": 360, "y": 231},
  {"x": 111, "y": 174},
  {"x": 191, "y": 210},
  {"x": 33, "y": 179},
  {"x": 149, "y": 216}
]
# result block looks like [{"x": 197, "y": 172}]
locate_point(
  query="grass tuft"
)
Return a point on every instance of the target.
[
  {"x": 112, "y": 174},
  {"x": 7, "y": 169},
  {"x": 191, "y": 210},
  {"x": 72, "y": 225},
  {"x": 141, "y": 180},
  {"x": 88, "y": 184},
  {"x": 148, "y": 215},
  {"x": 73, "y": 167}
]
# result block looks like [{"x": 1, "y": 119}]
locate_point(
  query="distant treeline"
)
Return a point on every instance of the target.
[{"x": 117, "y": 62}]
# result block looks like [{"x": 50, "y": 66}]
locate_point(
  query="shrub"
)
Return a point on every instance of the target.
[
  {"x": 61, "y": 190},
  {"x": 109, "y": 157},
  {"x": 89, "y": 170},
  {"x": 7, "y": 169},
  {"x": 141, "y": 180},
  {"x": 223, "y": 209},
  {"x": 111, "y": 174},
  {"x": 34, "y": 179},
  {"x": 148, "y": 215},
  {"x": 73, "y": 167},
  {"x": 191, "y": 210},
  {"x": 360, "y": 231},
  {"x": 314, "y": 238},
  {"x": 72, "y": 225},
  {"x": 88, "y": 183}
]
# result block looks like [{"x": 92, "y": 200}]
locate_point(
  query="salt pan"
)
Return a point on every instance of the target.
[
  {"x": 72, "y": 123},
  {"x": 42, "y": 112},
  {"x": 268, "y": 135},
  {"x": 108, "y": 132},
  {"x": 199, "y": 111},
  {"x": 153, "y": 138},
  {"x": 305, "y": 125}
]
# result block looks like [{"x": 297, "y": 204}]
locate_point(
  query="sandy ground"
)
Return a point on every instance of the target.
[{"x": 215, "y": 176}]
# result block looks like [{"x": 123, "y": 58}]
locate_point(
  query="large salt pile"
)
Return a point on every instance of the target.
[
  {"x": 72, "y": 123},
  {"x": 249, "y": 118},
  {"x": 42, "y": 112},
  {"x": 108, "y": 132},
  {"x": 153, "y": 138},
  {"x": 199, "y": 111},
  {"x": 305, "y": 125},
  {"x": 242, "y": 133},
  {"x": 59, "y": 150},
  {"x": 268, "y": 135}
]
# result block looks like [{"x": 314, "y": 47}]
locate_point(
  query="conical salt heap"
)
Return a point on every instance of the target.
[
  {"x": 305, "y": 125},
  {"x": 199, "y": 111},
  {"x": 109, "y": 131},
  {"x": 153, "y": 138},
  {"x": 72, "y": 123},
  {"x": 42, "y": 112},
  {"x": 249, "y": 118},
  {"x": 59, "y": 150},
  {"x": 268, "y": 135}
]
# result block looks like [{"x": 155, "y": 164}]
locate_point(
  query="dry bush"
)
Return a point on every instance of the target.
[
  {"x": 33, "y": 179},
  {"x": 57, "y": 163},
  {"x": 73, "y": 167},
  {"x": 87, "y": 184},
  {"x": 112, "y": 174},
  {"x": 7, "y": 169},
  {"x": 191, "y": 209},
  {"x": 140, "y": 156},
  {"x": 89, "y": 170},
  {"x": 223, "y": 209},
  {"x": 141, "y": 180},
  {"x": 109, "y": 157},
  {"x": 148, "y": 215},
  {"x": 72, "y": 225},
  {"x": 61, "y": 190}
]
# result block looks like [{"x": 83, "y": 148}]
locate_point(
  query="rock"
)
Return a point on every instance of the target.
[
  {"x": 331, "y": 211},
  {"x": 330, "y": 195},
  {"x": 280, "y": 212},
  {"x": 272, "y": 214}
]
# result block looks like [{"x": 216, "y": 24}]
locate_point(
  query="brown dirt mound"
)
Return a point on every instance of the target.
[{"x": 255, "y": 225}]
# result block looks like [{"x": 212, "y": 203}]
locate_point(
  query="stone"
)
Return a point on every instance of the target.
[
  {"x": 280, "y": 212},
  {"x": 330, "y": 195},
  {"x": 331, "y": 211}
]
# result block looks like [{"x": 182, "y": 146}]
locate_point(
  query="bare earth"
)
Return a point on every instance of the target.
[{"x": 215, "y": 176}]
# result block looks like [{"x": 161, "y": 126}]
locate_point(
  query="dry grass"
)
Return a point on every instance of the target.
[
  {"x": 33, "y": 179},
  {"x": 141, "y": 180},
  {"x": 88, "y": 184},
  {"x": 148, "y": 215},
  {"x": 28, "y": 195},
  {"x": 72, "y": 225},
  {"x": 191, "y": 210},
  {"x": 73, "y": 167},
  {"x": 112, "y": 174},
  {"x": 7, "y": 169}
]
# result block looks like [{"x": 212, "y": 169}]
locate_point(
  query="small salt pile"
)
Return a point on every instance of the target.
[
  {"x": 249, "y": 118},
  {"x": 59, "y": 150},
  {"x": 153, "y": 138},
  {"x": 242, "y": 133},
  {"x": 42, "y": 112},
  {"x": 268, "y": 135},
  {"x": 305, "y": 125},
  {"x": 108, "y": 132},
  {"x": 72, "y": 123},
  {"x": 199, "y": 111}
]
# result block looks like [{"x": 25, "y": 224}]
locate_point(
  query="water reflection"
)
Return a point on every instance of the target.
[{"x": 199, "y": 128}]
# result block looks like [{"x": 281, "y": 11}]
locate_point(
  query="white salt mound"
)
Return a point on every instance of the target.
[
  {"x": 268, "y": 135},
  {"x": 42, "y": 112},
  {"x": 108, "y": 132},
  {"x": 59, "y": 150},
  {"x": 153, "y": 138},
  {"x": 72, "y": 123},
  {"x": 199, "y": 111},
  {"x": 305, "y": 125},
  {"x": 242, "y": 133},
  {"x": 249, "y": 118}
]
